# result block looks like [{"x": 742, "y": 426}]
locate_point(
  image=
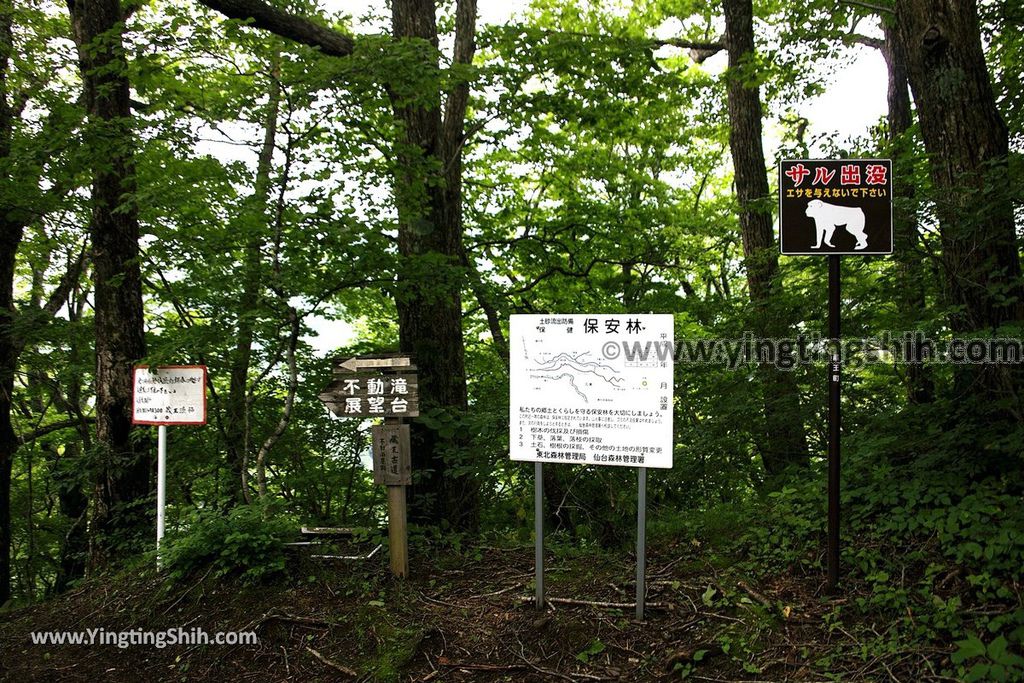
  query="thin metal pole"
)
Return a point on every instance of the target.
[
  {"x": 161, "y": 486},
  {"x": 835, "y": 376},
  {"x": 538, "y": 530},
  {"x": 641, "y": 540}
]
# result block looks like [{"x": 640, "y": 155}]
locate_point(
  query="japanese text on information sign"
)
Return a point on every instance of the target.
[
  {"x": 391, "y": 455},
  {"x": 591, "y": 389},
  {"x": 172, "y": 395},
  {"x": 375, "y": 392}
]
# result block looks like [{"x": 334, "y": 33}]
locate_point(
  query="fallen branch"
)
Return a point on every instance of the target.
[
  {"x": 444, "y": 661},
  {"x": 188, "y": 590},
  {"x": 287, "y": 618},
  {"x": 334, "y": 665},
  {"x": 600, "y": 603},
  {"x": 785, "y": 613},
  {"x": 765, "y": 602},
  {"x": 497, "y": 592}
]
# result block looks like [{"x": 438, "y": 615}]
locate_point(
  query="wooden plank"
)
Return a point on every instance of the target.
[
  {"x": 398, "y": 533},
  {"x": 392, "y": 455},
  {"x": 409, "y": 371},
  {"x": 359, "y": 362},
  {"x": 397, "y": 382},
  {"x": 394, "y": 355},
  {"x": 375, "y": 393},
  {"x": 327, "y": 530},
  {"x": 364, "y": 408}
]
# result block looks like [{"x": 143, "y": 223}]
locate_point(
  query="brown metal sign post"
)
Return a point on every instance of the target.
[
  {"x": 834, "y": 421},
  {"x": 386, "y": 387},
  {"x": 833, "y": 207}
]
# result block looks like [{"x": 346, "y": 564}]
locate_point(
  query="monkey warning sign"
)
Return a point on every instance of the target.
[{"x": 835, "y": 206}]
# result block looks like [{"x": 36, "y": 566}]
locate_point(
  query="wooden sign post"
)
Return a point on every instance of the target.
[
  {"x": 392, "y": 466},
  {"x": 386, "y": 387}
]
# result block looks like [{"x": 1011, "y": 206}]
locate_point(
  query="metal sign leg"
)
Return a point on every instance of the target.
[
  {"x": 538, "y": 530},
  {"x": 834, "y": 371},
  {"x": 641, "y": 540},
  {"x": 161, "y": 486}
]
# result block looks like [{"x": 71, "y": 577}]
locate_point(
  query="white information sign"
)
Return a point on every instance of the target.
[
  {"x": 172, "y": 395},
  {"x": 591, "y": 389}
]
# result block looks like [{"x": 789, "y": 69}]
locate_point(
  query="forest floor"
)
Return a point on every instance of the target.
[{"x": 464, "y": 616}]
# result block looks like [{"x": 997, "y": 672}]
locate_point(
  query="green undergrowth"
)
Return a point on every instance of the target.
[{"x": 932, "y": 558}]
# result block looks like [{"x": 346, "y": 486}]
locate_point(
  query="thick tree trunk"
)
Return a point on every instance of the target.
[
  {"x": 11, "y": 232},
  {"x": 71, "y": 496},
  {"x": 429, "y": 297},
  {"x": 910, "y": 268},
  {"x": 966, "y": 140},
  {"x": 123, "y": 472},
  {"x": 10, "y": 237},
  {"x": 783, "y": 443}
]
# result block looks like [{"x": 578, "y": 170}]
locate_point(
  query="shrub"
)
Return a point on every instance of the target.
[{"x": 248, "y": 541}]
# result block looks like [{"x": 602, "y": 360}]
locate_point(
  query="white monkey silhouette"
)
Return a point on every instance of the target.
[{"x": 828, "y": 217}]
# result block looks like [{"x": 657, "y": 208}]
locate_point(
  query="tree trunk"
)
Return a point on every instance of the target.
[
  {"x": 236, "y": 407},
  {"x": 74, "y": 504},
  {"x": 966, "y": 140},
  {"x": 428, "y": 193},
  {"x": 910, "y": 269},
  {"x": 124, "y": 466},
  {"x": 10, "y": 237},
  {"x": 71, "y": 496},
  {"x": 429, "y": 297},
  {"x": 783, "y": 443},
  {"x": 11, "y": 232}
]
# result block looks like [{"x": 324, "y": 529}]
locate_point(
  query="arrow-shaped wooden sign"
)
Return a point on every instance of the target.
[{"x": 357, "y": 364}]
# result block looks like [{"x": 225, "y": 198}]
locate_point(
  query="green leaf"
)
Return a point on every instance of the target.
[
  {"x": 596, "y": 647},
  {"x": 968, "y": 649}
]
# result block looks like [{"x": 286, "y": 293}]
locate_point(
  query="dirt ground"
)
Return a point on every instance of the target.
[{"x": 466, "y": 617}]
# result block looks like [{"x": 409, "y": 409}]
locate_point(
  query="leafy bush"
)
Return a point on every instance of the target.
[
  {"x": 933, "y": 550},
  {"x": 247, "y": 540}
]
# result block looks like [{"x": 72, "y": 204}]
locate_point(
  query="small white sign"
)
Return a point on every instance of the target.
[
  {"x": 172, "y": 395},
  {"x": 591, "y": 389}
]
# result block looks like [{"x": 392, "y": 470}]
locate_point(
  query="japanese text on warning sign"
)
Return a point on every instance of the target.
[{"x": 835, "y": 206}]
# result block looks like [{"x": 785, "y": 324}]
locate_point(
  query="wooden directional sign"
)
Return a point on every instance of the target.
[
  {"x": 362, "y": 363},
  {"x": 374, "y": 387},
  {"x": 835, "y": 206},
  {"x": 392, "y": 459}
]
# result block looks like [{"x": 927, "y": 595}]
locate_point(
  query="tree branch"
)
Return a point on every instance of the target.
[
  {"x": 306, "y": 31},
  {"x": 54, "y": 427},
  {"x": 877, "y": 9},
  {"x": 458, "y": 98},
  {"x": 68, "y": 280},
  {"x": 874, "y": 43},
  {"x": 695, "y": 45}
]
